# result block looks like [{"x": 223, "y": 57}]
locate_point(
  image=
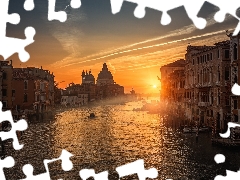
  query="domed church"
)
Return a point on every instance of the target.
[
  {"x": 105, "y": 77},
  {"x": 87, "y": 78}
]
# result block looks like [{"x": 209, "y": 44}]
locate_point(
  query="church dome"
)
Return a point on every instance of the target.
[
  {"x": 89, "y": 77},
  {"x": 105, "y": 76},
  {"x": 105, "y": 73}
]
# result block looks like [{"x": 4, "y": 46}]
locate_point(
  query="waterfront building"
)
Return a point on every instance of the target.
[
  {"x": 87, "y": 78},
  {"x": 105, "y": 77},
  {"x": 83, "y": 99},
  {"x": 105, "y": 87},
  {"x": 31, "y": 92},
  {"x": 6, "y": 69},
  {"x": 1, "y": 79},
  {"x": 84, "y": 88},
  {"x": 207, "y": 85},
  {"x": 166, "y": 70},
  {"x": 70, "y": 100},
  {"x": 235, "y": 74},
  {"x": 176, "y": 86}
]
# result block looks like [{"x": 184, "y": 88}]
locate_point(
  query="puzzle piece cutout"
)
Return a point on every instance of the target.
[
  {"x": 8, "y": 162},
  {"x": 61, "y": 15},
  {"x": 87, "y": 173},
  {"x": 192, "y": 8},
  {"x": 236, "y": 89},
  {"x": 230, "y": 125},
  {"x": 230, "y": 175},
  {"x": 20, "y": 125},
  {"x": 137, "y": 167},
  {"x": 29, "y": 5},
  {"x": 66, "y": 166},
  {"x": 227, "y": 7},
  {"x": 219, "y": 158},
  {"x": 8, "y": 45}
]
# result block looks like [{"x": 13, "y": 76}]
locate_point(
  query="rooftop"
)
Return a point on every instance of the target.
[{"x": 178, "y": 63}]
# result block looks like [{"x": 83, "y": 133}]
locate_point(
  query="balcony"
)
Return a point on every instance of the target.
[{"x": 203, "y": 104}]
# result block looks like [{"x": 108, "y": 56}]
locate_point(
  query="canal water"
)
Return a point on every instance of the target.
[{"x": 118, "y": 136}]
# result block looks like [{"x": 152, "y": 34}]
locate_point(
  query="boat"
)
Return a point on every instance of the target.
[
  {"x": 92, "y": 115},
  {"x": 203, "y": 129},
  {"x": 187, "y": 129}
]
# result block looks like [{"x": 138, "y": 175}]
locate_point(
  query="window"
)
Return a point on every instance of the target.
[
  {"x": 219, "y": 100},
  {"x": 211, "y": 57},
  {"x": 13, "y": 93},
  {"x": 235, "y": 118},
  {"x": 227, "y": 54},
  {"x": 4, "y": 75},
  {"x": 235, "y": 79},
  {"x": 235, "y": 52},
  {"x": 25, "y": 98},
  {"x": 218, "y": 54},
  {"x": 25, "y": 85},
  {"x": 235, "y": 104},
  {"x": 4, "y": 92},
  {"x": 4, "y": 104},
  {"x": 227, "y": 102},
  {"x": 227, "y": 73}
]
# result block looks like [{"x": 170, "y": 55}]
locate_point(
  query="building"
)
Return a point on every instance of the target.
[
  {"x": 70, "y": 100},
  {"x": 165, "y": 71},
  {"x": 176, "y": 86},
  {"x": 207, "y": 85},
  {"x": 83, "y": 99},
  {"x": 1, "y": 80},
  {"x": 105, "y": 77},
  {"x": 87, "y": 78},
  {"x": 235, "y": 74},
  {"x": 6, "y": 69},
  {"x": 85, "y": 88},
  {"x": 32, "y": 90}
]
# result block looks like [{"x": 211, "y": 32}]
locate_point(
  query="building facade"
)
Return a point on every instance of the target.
[
  {"x": 105, "y": 77},
  {"x": 166, "y": 80},
  {"x": 6, "y": 88},
  {"x": 235, "y": 74},
  {"x": 207, "y": 85}
]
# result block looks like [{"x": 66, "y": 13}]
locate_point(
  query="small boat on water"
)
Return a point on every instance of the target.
[
  {"x": 92, "y": 115},
  {"x": 204, "y": 129},
  {"x": 187, "y": 129}
]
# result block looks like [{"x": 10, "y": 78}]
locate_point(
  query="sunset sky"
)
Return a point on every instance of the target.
[{"x": 134, "y": 49}]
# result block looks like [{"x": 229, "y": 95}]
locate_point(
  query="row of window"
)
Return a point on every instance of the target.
[{"x": 208, "y": 57}]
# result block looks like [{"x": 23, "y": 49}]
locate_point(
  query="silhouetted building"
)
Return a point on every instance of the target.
[
  {"x": 6, "y": 69},
  {"x": 235, "y": 74},
  {"x": 208, "y": 84},
  {"x": 32, "y": 91},
  {"x": 105, "y": 76},
  {"x": 87, "y": 78},
  {"x": 166, "y": 70}
]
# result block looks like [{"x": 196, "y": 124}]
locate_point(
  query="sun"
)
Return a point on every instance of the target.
[{"x": 154, "y": 86}]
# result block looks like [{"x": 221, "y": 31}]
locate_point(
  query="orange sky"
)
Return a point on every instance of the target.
[{"x": 134, "y": 49}]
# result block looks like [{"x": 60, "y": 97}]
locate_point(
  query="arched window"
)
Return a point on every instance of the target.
[
  {"x": 227, "y": 73},
  {"x": 235, "y": 79},
  {"x": 25, "y": 85},
  {"x": 235, "y": 52},
  {"x": 25, "y": 98},
  {"x": 4, "y": 75}
]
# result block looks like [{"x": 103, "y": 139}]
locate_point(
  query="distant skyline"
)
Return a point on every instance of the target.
[{"x": 134, "y": 49}]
